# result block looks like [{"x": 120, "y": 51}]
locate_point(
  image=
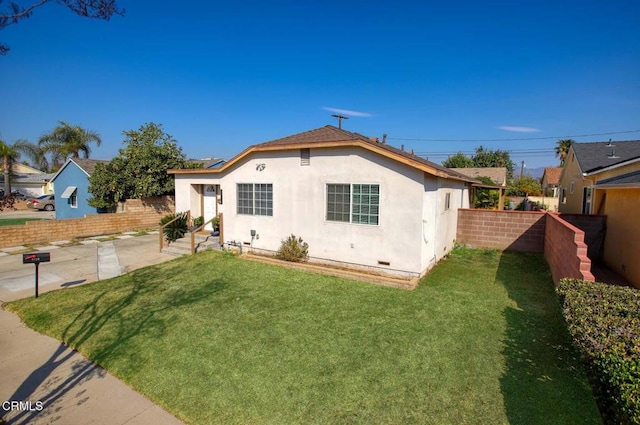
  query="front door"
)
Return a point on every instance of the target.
[{"x": 210, "y": 204}]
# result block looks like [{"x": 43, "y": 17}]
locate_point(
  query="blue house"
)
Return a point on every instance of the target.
[{"x": 71, "y": 188}]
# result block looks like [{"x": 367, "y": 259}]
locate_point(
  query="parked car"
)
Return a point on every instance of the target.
[
  {"x": 44, "y": 202},
  {"x": 16, "y": 194}
]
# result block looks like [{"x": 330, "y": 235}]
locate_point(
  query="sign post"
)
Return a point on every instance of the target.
[{"x": 36, "y": 258}]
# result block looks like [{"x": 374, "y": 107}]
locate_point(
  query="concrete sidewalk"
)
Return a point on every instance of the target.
[{"x": 57, "y": 385}]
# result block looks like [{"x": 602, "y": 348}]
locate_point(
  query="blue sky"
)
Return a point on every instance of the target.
[{"x": 220, "y": 77}]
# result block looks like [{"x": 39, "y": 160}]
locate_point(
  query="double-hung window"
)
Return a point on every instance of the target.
[
  {"x": 353, "y": 203},
  {"x": 255, "y": 199}
]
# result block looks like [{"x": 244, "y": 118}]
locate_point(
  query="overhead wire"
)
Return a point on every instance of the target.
[{"x": 416, "y": 139}]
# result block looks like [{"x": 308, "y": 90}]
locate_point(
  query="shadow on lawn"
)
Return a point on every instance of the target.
[
  {"x": 141, "y": 310},
  {"x": 543, "y": 381}
]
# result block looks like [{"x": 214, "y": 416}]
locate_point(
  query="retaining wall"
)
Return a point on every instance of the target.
[
  {"x": 137, "y": 215},
  {"x": 565, "y": 250}
]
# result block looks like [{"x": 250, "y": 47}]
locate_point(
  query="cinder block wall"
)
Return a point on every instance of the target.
[
  {"x": 138, "y": 215},
  {"x": 562, "y": 243},
  {"x": 565, "y": 250},
  {"x": 505, "y": 230},
  {"x": 594, "y": 228}
]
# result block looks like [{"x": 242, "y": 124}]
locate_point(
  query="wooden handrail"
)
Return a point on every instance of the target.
[
  {"x": 161, "y": 234},
  {"x": 194, "y": 231}
]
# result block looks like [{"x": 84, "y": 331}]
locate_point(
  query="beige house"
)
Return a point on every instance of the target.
[
  {"x": 30, "y": 181},
  {"x": 357, "y": 202},
  {"x": 604, "y": 178}
]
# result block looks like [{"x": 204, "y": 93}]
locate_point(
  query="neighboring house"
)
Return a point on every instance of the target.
[
  {"x": 209, "y": 162},
  {"x": 71, "y": 187},
  {"x": 29, "y": 180},
  {"x": 497, "y": 174},
  {"x": 357, "y": 202},
  {"x": 604, "y": 178},
  {"x": 550, "y": 181}
]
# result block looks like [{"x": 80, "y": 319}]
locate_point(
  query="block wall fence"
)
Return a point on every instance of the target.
[
  {"x": 132, "y": 215},
  {"x": 562, "y": 243}
]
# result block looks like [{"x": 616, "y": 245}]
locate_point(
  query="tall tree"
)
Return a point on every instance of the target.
[
  {"x": 18, "y": 10},
  {"x": 493, "y": 158},
  {"x": 140, "y": 168},
  {"x": 562, "y": 149},
  {"x": 68, "y": 141},
  {"x": 459, "y": 160}
]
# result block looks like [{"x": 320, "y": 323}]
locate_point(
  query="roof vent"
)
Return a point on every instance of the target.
[
  {"x": 613, "y": 154},
  {"x": 609, "y": 144},
  {"x": 384, "y": 138}
]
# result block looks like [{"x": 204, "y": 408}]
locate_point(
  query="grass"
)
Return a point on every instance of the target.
[
  {"x": 217, "y": 339},
  {"x": 16, "y": 221}
]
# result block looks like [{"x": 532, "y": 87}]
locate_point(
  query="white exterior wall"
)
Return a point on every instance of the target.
[
  {"x": 413, "y": 232},
  {"x": 440, "y": 224}
]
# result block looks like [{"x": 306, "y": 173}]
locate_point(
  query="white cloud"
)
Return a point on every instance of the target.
[
  {"x": 347, "y": 112},
  {"x": 519, "y": 129}
]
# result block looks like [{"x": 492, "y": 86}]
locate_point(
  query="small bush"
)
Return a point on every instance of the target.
[
  {"x": 604, "y": 321},
  {"x": 176, "y": 229},
  {"x": 293, "y": 249}
]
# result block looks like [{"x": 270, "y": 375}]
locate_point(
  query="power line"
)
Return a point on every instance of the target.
[{"x": 513, "y": 140}]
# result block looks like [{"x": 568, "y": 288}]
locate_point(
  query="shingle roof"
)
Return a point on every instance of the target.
[
  {"x": 329, "y": 133},
  {"x": 553, "y": 175},
  {"x": 497, "y": 174},
  {"x": 598, "y": 155},
  {"x": 88, "y": 165}
]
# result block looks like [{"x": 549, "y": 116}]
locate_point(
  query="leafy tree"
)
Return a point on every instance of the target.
[
  {"x": 562, "y": 149},
  {"x": 68, "y": 141},
  {"x": 484, "y": 197},
  {"x": 525, "y": 186},
  {"x": 493, "y": 158},
  {"x": 139, "y": 170},
  {"x": 97, "y": 9},
  {"x": 459, "y": 160}
]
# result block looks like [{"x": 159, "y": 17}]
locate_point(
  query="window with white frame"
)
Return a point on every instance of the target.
[
  {"x": 255, "y": 199},
  {"x": 353, "y": 203},
  {"x": 447, "y": 201},
  {"x": 571, "y": 189},
  {"x": 73, "y": 199}
]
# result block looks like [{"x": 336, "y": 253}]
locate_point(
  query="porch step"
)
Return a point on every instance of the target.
[{"x": 182, "y": 246}]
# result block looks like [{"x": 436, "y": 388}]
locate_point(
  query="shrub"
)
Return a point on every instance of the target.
[
  {"x": 604, "y": 321},
  {"x": 293, "y": 249},
  {"x": 176, "y": 229}
]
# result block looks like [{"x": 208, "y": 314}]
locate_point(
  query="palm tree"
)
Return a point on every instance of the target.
[
  {"x": 11, "y": 154},
  {"x": 68, "y": 141},
  {"x": 562, "y": 150}
]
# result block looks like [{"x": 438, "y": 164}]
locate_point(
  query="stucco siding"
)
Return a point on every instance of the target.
[
  {"x": 622, "y": 240},
  {"x": 299, "y": 199},
  {"x": 299, "y": 206}
]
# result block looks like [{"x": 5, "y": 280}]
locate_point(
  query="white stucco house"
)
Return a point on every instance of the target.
[{"x": 356, "y": 201}]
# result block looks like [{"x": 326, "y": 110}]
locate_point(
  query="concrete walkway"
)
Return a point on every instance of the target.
[{"x": 54, "y": 384}]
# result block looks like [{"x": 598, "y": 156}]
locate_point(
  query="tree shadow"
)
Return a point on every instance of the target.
[
  {"x": 543, "y": 381},
  {"x": 104, "y": 329}
]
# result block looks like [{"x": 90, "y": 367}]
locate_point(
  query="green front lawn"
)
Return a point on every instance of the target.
[
  {"x": 218, "y": 339},
  {"x": 16, "y": 221}
]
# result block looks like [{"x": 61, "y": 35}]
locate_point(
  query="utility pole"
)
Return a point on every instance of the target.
[
  {"x": 340, "y": 118},
  {"x": 522, "y": 170}
]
